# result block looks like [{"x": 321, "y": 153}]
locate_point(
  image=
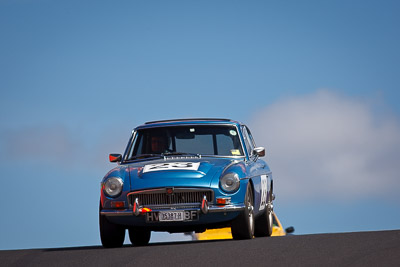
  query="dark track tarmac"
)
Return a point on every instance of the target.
[{"x": 381, "y": 248}]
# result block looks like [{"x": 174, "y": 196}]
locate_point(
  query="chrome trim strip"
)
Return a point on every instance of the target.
[
  {"x": 128, "y": 147},
  {"x": 226, "y": 208},
  {"x": 117, "y": 213}
]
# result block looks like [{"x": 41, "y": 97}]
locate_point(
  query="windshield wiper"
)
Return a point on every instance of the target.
[{"x": 144, "y": 156}]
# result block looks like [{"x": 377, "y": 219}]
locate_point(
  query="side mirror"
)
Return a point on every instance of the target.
[
  {"x": 115, "y": 157},
  {"x": 259, "y": 151},
  {"x": 289, "y": 230}
]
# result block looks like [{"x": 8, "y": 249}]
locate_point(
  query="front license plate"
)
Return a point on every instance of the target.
[{"x": 171, "y": 216}]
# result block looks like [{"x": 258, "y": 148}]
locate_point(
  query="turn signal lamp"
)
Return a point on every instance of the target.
[
  {"x": 118, "y": 204},
  {"x": 144, "y": 210},
  {"x": 223, "y": 200}
]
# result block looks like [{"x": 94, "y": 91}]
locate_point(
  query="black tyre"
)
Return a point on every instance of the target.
[
  {"x": 111, "y": 235},
  {"x": 264, "y": 223},
  {"x": 139, "y": 237},
  {"x": 243, "y": 226}
]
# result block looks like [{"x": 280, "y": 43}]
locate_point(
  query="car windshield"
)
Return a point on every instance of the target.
[{"x": 204, "y": 140}]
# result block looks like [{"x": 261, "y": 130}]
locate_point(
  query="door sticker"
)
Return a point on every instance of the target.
[
  {"x": 235, "y": 152},
  {"x": 264, "y": 191}
]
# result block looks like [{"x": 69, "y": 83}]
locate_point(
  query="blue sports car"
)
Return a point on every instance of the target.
[{"x": 187, "y": 175}]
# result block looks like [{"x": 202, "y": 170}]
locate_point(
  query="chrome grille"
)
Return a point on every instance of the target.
[{"x": 159, "y": 197}]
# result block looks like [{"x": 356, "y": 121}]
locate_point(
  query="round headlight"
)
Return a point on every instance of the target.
[
  {"x": 230, "y": 182},
  {"x": 113, "y": 186}
]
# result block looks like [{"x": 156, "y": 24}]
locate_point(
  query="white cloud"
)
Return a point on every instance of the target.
[{"x": 328, "y": 145}]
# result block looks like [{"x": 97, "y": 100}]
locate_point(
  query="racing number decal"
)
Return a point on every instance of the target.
[
  {"x": 172, "y": 166},
  {"x": 264, "y": 191}
]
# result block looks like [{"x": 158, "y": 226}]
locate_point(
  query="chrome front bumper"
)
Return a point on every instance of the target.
[{"x": 211, "y": 209}]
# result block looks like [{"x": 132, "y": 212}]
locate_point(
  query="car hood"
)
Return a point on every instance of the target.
[{"x": 176, "y": 173}]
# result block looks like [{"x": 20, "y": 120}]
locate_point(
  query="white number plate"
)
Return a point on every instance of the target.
[{"x": 171, "y": 216}]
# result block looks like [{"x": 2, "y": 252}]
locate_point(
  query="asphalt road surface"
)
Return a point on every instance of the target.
[{"x": 381, "y": 248}]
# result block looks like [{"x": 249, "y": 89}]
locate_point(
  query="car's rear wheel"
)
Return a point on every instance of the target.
[
  {"x": 139, "y": 237},
  {"x": 111, "y": 235},
  {"x": 264, "y": 223},
  {"x": 243, "y": 226}
]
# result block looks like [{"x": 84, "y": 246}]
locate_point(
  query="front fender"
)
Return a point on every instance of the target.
[{"x": 123, "y": 173}]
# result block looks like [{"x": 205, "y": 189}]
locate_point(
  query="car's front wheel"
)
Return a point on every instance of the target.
[
  {"x": 111, "y": 235},
  {"x": 243, "y": 226},
  {"x": 264, "y": 223},
  {"x": 139, "y": 237}
]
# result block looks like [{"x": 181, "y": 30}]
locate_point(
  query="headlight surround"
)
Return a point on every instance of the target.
[
  {"x": 230, "y": 182},
  {"x": 113, "y": 186}
]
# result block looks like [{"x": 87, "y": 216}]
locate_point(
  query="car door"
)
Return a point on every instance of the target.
[{"x": 258, "y": 172}]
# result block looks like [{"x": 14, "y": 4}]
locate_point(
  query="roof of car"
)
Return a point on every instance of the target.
[
  {"x": 187, "y": 121},
  {"x": 190, "y": 119}
]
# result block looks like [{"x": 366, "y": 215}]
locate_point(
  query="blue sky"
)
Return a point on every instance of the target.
[{"x": 317, "y": 82}]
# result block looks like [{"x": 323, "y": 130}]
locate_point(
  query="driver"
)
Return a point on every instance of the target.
[{"x": 158, "y": 144}]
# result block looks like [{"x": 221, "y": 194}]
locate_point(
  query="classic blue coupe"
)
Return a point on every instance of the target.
[{"x": 187, "y": 175}]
